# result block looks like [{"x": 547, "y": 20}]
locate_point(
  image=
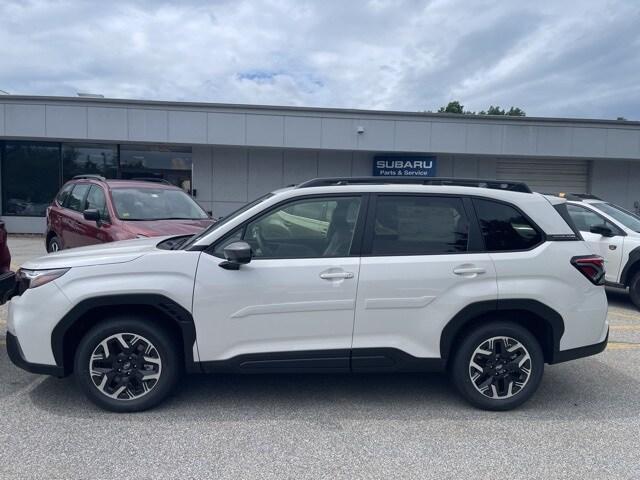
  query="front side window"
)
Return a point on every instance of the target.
[
  {"x": 628, "y": 219},
  {"x": 149, "y": 203},
  {"x": 504, "y": 228},
  {"x": 311, "y": 228},
  {"x": 419, "y": 225},
  {"x": 97, "y": 200},
  {"x": 75, "y": 201},
  {"x": 584, "y": 219}
]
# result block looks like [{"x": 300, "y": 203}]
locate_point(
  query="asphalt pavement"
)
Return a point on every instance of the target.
[{"x": 584, "y": 422}]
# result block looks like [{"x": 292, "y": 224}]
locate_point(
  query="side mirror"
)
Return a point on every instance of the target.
[
  {"x": 602, "y": 230},
  {"x": 236, "y": 253},
  {"x": 91, "y": 214}
]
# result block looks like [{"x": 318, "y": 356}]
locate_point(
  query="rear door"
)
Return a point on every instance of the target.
[
  {"x": 71, "y": 223},
  {"x": 422, "y": 263},
  {"x": 609, "y": 248}
]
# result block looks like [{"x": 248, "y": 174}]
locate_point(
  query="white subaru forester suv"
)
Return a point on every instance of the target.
[
  {"x": 613, "y": 233},
  {"x": 482, "y": 278}
]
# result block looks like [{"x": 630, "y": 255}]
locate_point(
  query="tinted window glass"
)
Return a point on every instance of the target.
[
  {"x": 305, "y": 229},
  {"x": 150, "y": 203},
  {"x": 96, "y": 200},
  {"x": 584, "y": 218},
  {"x": 78, "y": 159},
  {"x": 30, "y": 177},
  {"x": 504, "y": 228},
  {"x": 76, "y": 197},
  {"x": 628, "y": 219},
  {"x": 64, "y": 193},
  {"x": 419, "y": 225},
  {"x": 158, "y": 162}
]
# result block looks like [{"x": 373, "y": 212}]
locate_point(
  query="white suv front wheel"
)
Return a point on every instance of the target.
[
  {"x": 126, "y": 364},
  {"x": 498, "y": 366}
]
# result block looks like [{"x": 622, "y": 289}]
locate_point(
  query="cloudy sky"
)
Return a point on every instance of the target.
[{"x": 552, "y": 58}]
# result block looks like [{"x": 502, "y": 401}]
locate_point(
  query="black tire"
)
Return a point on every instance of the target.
[
  {"x": 634, "y": 290},
  {"x": 504, "y": 367},
  {"x": 164, "y": 349},
  {"x": 54, "y": 244}
]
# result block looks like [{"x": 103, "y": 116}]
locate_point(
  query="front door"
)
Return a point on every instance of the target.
[
  {"x": 297, "y": 294},
  {"x": 417, "y": 273},
  {"x": 609, "y": 248}
]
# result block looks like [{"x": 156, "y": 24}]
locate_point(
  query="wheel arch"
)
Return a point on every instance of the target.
[
  {"x": 541, "y": 320},
  {"x": 90, "y": 312},
  {"x": 631, "y": 267}
]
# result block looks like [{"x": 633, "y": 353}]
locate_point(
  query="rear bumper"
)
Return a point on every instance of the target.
[
  {"x": 574, "y": 353},
  {"x": 17, "y": 357}
]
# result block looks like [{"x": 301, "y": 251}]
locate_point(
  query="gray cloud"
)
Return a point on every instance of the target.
[{"x": 570, "y": 58}]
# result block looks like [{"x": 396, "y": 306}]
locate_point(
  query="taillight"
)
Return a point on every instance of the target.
[{"x": 591, "y": 266}]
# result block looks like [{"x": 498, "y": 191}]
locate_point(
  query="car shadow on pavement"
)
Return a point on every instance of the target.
[{"x": 585, "y": 389}]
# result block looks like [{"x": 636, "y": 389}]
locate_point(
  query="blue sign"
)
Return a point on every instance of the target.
[{"x": 404, "y": 166}]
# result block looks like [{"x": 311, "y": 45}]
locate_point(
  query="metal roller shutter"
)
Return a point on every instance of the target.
[{"x": 546, "y": 176}]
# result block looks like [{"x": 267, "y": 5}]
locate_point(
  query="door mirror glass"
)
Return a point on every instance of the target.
[
  {"x": 91, "y": 214},
  {"x": 237, "y": 253},
  {"x": 602, "y": 230}
]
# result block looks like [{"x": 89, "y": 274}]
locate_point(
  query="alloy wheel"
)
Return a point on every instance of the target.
[
  {"x": 125, "y": 366},
  {"x": 500, "y": 367}
]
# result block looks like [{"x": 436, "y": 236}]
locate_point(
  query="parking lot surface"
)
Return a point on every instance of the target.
[{"x": 584, "y": 422}]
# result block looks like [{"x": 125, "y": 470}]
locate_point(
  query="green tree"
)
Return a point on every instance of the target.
[
  {"x": 516, "y": 112},
  {"x": 452, "y": 107}
]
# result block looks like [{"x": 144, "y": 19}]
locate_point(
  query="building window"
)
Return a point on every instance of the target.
[
  {"x": 30, "y": 177},
  {"x": 172, "y": 164},
  {"x": 81, "y": 159}
]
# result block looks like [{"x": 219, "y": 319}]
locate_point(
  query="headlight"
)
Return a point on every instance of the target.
[
  {"x": 141, "y": 236},
  {"x": 35, "y": 278}
]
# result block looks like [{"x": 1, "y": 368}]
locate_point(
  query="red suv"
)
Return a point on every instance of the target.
[{"x": 90, "y": 209}]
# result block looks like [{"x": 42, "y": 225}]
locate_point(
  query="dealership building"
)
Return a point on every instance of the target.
[{"x": 227, "y": 155}]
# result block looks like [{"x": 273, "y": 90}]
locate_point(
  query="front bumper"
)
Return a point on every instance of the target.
[
  {"x": 17, "y": 357},
  {"x": 574, "y": 353}
]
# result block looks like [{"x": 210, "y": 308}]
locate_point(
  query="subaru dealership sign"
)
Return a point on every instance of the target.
[{"x": 391, "y": 166}]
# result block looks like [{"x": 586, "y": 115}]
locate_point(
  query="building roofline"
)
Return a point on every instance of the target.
[{"x": 298, "y": 109}]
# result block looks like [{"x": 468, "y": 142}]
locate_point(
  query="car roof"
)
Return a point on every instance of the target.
[{"x": 124, "y": 183}]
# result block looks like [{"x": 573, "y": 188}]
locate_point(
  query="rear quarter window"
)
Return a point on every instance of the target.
[{"x": 504, "y": 228}]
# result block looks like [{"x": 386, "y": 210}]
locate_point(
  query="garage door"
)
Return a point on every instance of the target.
[{"x": 546, "y": 176}]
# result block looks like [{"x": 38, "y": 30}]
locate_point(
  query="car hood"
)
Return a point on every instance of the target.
[
  {"x": 156, "y": 228},
  {"x": 102, "y": 254}
]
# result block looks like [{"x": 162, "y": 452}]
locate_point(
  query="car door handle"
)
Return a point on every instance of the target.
[
  {"x": 468, "y": 270},
  {"x": 336, "y": 275}
]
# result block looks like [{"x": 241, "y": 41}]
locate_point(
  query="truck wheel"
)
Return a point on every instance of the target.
[
  {"x": 498, "y": 366},
  {"x": 127, "y": 364}
]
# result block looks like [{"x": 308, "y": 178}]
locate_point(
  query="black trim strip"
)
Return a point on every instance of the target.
[
  {"x": 17, "y": 357},
  {"x": 580, "y": 352}
]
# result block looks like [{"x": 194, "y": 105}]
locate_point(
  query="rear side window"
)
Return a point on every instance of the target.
[
  {"x": 64, "y": 193},
  {"x": 504, "y": 228},
  {"x": 76, "y": 197},
  {"x": 419, "y": 225}
]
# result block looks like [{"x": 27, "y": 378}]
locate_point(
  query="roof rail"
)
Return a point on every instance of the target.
[
  {"x": 89, "y": 176},
  {"x": 152, "y": 179},
  {"x": 576, "y": 197},
  {"x": 460, "y": 182}
]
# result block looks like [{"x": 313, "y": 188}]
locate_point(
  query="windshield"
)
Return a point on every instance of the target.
[
  {"x": 136, "y": 204},
  {"x": 628, "y": 219},
  {"x": 225, "y": 220}
]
